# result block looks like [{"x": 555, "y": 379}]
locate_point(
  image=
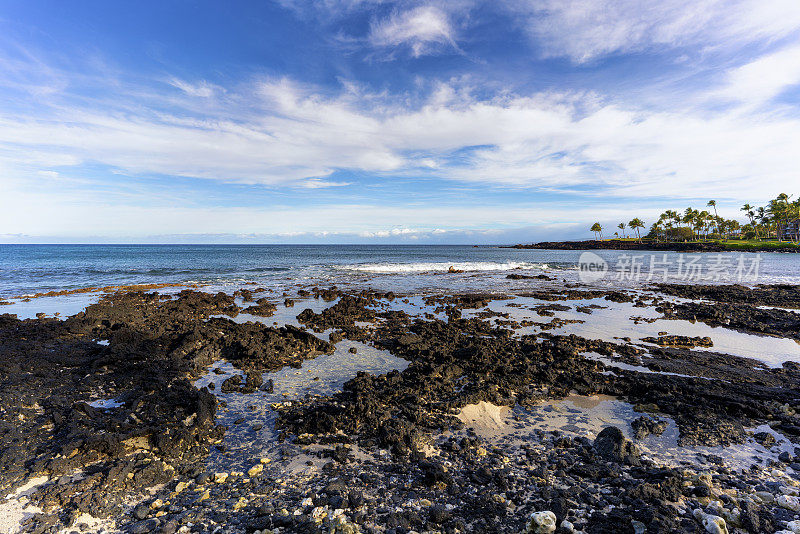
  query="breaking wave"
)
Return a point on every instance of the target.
[{"x": 434, "y": 267}]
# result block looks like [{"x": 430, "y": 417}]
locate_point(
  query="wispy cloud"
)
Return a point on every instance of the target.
[
  {"x": 201, "y": 89},
  {"x": 583, "y": 30},
  {"x": 316, "y": 183},
  {"x": 330, "y": 8},
  {"x": 763, "y": 79},
  {"x": 424, "y": 30}
]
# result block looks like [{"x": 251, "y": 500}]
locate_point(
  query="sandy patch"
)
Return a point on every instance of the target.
[
  {"x": 17, "y": 506},
  {"x": 486, "y": 419}
]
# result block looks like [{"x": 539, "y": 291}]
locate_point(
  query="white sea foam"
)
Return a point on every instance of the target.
[{"x": 423, "y": 267}]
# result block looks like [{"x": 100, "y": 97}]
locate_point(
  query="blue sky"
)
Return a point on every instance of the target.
[{"x": 370, "y": 121}]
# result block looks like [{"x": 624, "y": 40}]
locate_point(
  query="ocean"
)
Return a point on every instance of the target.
[{"x": 30, "y": 269}]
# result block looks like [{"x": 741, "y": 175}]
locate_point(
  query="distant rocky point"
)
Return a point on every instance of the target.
[{"x": 693, "y": 246}]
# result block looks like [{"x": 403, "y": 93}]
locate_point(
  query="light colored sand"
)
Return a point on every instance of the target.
[
  {"x": 17, "y": 506},
  {"x": 486, "y": 419}
]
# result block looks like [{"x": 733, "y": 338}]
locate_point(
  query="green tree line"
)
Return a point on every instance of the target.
[{"x": 763, "y": 222}]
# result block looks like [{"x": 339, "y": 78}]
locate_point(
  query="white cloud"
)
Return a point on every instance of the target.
[
  {"x": 293, "y": 135},
  {"x": 425, "y": 30},
  {"x": 202, "y": 89},
  {"x": 586, "y": 29},
  {"x": 329, "y": 8},
  {"x": 316, "y": 183},
  {"x": 765, "y": 78}
]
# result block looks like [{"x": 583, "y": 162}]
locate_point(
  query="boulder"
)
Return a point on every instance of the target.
[
  {"x": 542, "y": 523},
  {"x": 612, "y": 446}
]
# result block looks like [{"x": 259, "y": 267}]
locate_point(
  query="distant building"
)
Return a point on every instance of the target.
[{"x": 789, "y": 230}]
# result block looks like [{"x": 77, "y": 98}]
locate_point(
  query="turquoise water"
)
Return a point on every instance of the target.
[{"x": 26, "y": 269}]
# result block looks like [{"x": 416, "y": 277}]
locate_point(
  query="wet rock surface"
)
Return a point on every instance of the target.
[
  {"x": 646, "y": 425},
  {"x": 388, "y": 453},
  {"x": 262, "y": 308},
  {"x": 107, "y": 420},
  {"x": 785, "y": 296},
  {"x": 463, "y": 361},
  {"x": 741, "y": 317},
  {"x": 680, "y": 341},
  {"x": 471, "y": 485}
]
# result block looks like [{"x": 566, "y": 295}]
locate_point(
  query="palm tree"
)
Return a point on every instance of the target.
[
  {"x": 621, "y": 226},
  {"x": 761, "y": 215},
  {"x": 713, "y": 204},
  {"x": 780, "y": 210},
  {"x": 676, "y": 217},
  {"x": 794, "y": 213},
  {"x": 732, "y": 226},
  {"x": 698, "y": 221},
  {"x": 635, "y": 224},
  {"x": 671, "y": 219},
  {"x": 597, "y": 229},
  {"x": 663, "y": 223},
  {"x": 689, "y": 217},
  {"x": 777, "y": 212},
  {"x": 655, "y": 229},
  {"x": 748, "y": 210}
]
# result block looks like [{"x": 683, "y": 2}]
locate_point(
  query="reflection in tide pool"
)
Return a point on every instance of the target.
[
  {"x": 254, "y": 436},
  {"x": 586, "y": 416},
  {"x": 613, "y": 321}
]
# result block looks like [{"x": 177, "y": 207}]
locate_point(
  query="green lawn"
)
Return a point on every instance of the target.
[{"x": 732, "y": 244}]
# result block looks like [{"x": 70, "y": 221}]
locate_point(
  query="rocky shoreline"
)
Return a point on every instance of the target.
[
  {"x": 672, "y": 246},
  {"x": 103, "y": 409}
]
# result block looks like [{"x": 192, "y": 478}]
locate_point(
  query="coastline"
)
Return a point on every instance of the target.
[
  {"x": 658, "y": 246},
  {"x": 681, "y": 411}
]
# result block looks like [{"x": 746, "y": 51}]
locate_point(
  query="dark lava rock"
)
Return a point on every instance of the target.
[
  {"x": 612, "y": 446},
  {"x": 646, "y": 425},
  {"x": 515, "y": 276},
  {"x": 743, "y": 317},
  {"x": 756, "y": 518},
  {"x": 779, "y": 295},
  {"x": 158, "y": 344},
  {"x": 439, "y": 515},
  {"x": 141, "y": 511},
  {"x": 336, "y": 487},
  {"x": 144, "y": 527},
  {"x": 164, "y": 427},
  {"x": 765, "y": 439},
  {"x": 262, "y": 308},
  {"x": 268, "y": 386},
  {"x": 685, "y": 342},
  {"x": 342, "y": 315}
]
